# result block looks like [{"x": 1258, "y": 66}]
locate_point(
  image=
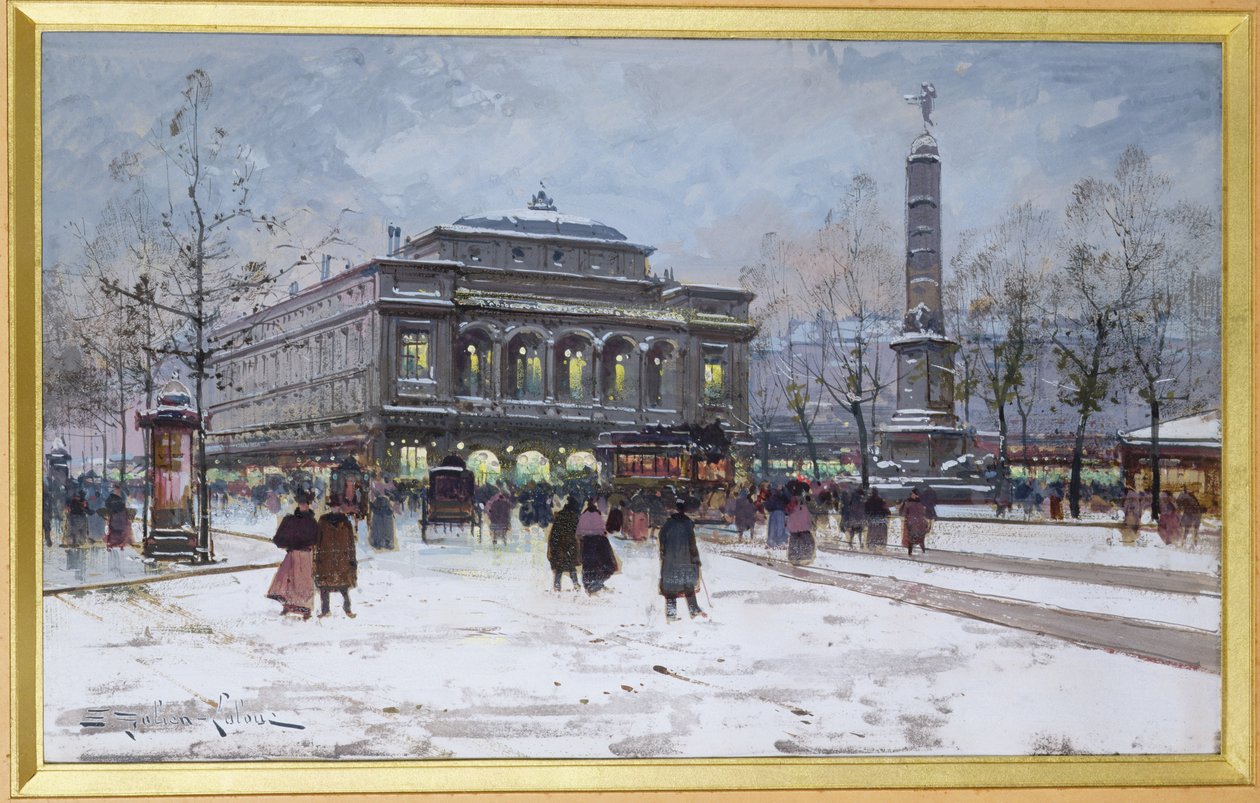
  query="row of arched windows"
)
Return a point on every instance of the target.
[{"x": 615, "y": 372}]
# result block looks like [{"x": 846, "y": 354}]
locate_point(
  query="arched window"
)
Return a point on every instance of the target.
[
  {"x": 484, "y": 465},
  {"x": 573, "y": 369},
  {"x": 524, "y": 358},
  {"x": 620, "y": 380},
  {"x": 532, "y": 466},
  {"x": 661, "y": 376},
  {"x": 473, "y": 353}
]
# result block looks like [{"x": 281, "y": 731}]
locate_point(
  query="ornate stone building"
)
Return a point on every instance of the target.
[{"x": 508, "y": 333}]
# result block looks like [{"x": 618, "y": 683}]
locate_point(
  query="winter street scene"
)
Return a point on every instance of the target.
[{"x": 794, "y": 399}]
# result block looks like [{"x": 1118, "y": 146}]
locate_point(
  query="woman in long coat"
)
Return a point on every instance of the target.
[
  {"x": 801, "y": 547},
  {"x": 745, "y": 515},
  {"x": 499, "y": 511},
  {"x": 117, "y": 520},
  {"x": 96, "y": 523},
  {"x": 381, "y": 534},
  {"x": 336, "y": 564},
  {"x": 1169, "y": 519},
  {"x": 876, "y": 519},
  {"x": 562, "y": 544},
  {"x": 77, "y": 520},
  {"x": 914, "y": 523},
  {"x": 294, "y": 584},
  {"x": 776, "y": 528},
  {"x": 598, "y": 560}
]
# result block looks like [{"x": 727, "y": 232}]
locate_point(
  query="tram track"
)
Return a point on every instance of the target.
[{"x": 1163, "y": 643}]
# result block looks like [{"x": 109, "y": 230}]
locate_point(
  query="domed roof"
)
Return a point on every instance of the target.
[
  {"x": 541, "y": 218},
  {"x": 541, "y": 221}
]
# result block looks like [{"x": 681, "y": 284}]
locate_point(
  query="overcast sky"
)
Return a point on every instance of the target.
[{"x": 695, "y": 147}]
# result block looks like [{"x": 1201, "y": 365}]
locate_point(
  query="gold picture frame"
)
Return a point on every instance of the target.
[{"x": 1228, "y": 775}]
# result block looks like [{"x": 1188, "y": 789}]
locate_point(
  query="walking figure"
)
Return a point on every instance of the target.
[
  {"x": 562, "y": 544},
  {"x": 294, "y": 584},
  {"x": 680, "y": 564},
  {"x": 336, "y": 564}
]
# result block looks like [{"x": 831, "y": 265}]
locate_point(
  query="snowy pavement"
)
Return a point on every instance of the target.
[{"x": 462, "y": 650}]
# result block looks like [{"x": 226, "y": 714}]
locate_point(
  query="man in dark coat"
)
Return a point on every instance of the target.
[
  {"x": 562, "y": 543},
  {"x": 876, "y": 519},
  {"x": 336, "y": 565},
  {"x": 680, "y": 564}
]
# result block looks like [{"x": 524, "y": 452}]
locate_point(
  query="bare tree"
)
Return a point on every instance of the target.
[
  {"x": 854, "y": 280},
  {"x": 1114, "y": 240},
  {"x": 207, "y": 194},
  {"x": 1003, "y": 280},
  {"x": 1161, "y": 357},
  {"x": 769, "y": 278}
]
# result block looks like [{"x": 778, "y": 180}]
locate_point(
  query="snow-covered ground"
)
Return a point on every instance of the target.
[{"x": 463, "y": 650}]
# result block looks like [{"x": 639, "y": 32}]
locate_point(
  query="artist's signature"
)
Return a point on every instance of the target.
[{"x": 228, "y": 713}]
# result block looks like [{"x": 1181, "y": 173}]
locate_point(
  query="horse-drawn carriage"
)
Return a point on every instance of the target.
[{"x": 450, "y": 500}]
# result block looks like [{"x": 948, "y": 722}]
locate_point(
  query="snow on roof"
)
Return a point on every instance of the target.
[
  {"x": 1203, "y": 429},
  {"x": 464, "y": 228},
  {"x": 541, "y": 221}
]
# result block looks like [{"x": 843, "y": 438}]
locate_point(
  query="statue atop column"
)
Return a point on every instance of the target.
[{"x": 925, "y": 100}]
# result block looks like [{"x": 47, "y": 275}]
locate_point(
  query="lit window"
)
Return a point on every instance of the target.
[
  {"x": 413, "y": 360},
  {"x": 714, "y": 377}
]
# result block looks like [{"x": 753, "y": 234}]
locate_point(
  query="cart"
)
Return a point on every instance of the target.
[{"x": 450, "y": 501}]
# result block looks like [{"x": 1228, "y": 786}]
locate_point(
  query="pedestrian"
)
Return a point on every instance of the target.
[
  {"x": 927, "y": 495},
  {"x": 499, "y": 512},
  {"x": 382, "y": 528},
  {"x": 117, "y": 526},
  {"x": 597, "y": 557},
  {"x": 616, "y": 521},
  {"x": 1132, "y": 516},
  {"x": 914, "y": 523},
  {"x": 1056, "y": 504},
  {"x": 1002, "y": 498},
  {"x": 117, "y": 520},
  {"x": 853, "y": 516},
  {"x": 294, "y": 584},
  {"x": 876, "y": 519},
  {"x": 801, "y": 547},
  {"x": 656, "y": 512},
  {"x": 745, "y": 515},
  {"x": 680, "y": 564},
  {"x": 1169, "y": 520},
  {"x": 336, "y": 564},
  {"x": 1191, "y": 513},
  {"x": 635, "y": 525},
  {"x": 77, "y": 513},
  {"x": 563, "y": 552},
  {"x": 96, "y": 520},
  {"x": 776, "y": 528}
]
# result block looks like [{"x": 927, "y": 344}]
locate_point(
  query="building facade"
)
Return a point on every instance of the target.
[{"x": 505, "y": 334}]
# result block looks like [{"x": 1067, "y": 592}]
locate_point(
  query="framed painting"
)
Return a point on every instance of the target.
[{"x": 626, "y": 399}]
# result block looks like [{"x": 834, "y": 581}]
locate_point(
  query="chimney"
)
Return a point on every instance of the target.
[
  {"x": 293, "y": 289},
  {"x": 395, "y": 240},
  {"x": 325, "y": 268}
]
